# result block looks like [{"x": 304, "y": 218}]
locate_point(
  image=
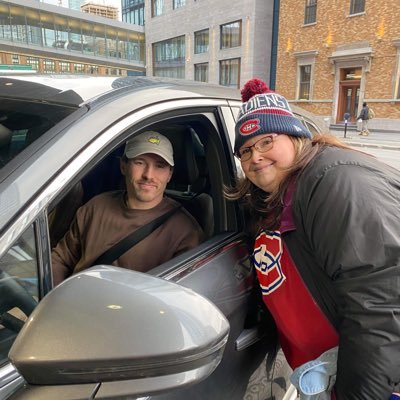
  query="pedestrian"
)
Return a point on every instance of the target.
[
  {"x": 364, "y": 117},
  {"x": 106, "y": 219},
  {"x": 327, "y": 249}
]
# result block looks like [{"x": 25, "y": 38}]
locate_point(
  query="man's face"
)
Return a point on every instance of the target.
[{"x": 146, "y": 178}]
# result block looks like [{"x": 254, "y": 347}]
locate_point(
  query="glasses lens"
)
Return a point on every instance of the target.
[
  {"x": 244, "y": 154},
  {"x": 264, "y": 144}
]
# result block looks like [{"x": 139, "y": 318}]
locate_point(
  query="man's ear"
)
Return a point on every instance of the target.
[
  {"x": 170, "y": 173},
  {"x": 122, "y": 166}
]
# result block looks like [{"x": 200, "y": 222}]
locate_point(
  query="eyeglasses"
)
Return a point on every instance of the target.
[{"x": 262, "y": 146}]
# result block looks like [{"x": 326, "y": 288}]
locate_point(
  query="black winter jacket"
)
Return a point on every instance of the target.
[{"x": 347, "y": 248}]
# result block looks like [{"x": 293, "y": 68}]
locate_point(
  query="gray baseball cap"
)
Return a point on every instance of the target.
[{"x": 150, "y": 142}]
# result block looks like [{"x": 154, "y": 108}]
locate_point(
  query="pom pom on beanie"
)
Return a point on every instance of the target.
[{"x": 253, "y": 87}]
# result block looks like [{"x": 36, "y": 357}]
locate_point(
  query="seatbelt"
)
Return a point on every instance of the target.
[{"x": 133, "y": 238}]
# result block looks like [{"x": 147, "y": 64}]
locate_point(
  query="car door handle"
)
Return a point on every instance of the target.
[{"x": 248, "y": 337}]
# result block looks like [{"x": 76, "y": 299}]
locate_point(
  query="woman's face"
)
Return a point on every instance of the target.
[{"x": 267, "y": 169}]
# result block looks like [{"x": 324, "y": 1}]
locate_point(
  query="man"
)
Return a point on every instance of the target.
[
  {"x": 364, "y": 116},
  {"x": 147, "y": 165}
]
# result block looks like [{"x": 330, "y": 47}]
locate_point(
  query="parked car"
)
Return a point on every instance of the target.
[{"x": 60, "y": 139}]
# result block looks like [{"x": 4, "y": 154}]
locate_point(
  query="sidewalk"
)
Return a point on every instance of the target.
[{"x": 389, "y": 141}]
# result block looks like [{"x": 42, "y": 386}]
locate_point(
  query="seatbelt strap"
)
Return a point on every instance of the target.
[{"x": 133, "y": 238}]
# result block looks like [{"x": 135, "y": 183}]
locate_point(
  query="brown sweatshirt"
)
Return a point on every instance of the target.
[{"x": 105, "y": 220}]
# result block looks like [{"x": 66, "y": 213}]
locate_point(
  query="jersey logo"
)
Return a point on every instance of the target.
[{"x": 267, "y": 260}]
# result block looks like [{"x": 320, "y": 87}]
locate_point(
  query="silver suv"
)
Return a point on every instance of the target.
[{"x": 192, "y": 328}]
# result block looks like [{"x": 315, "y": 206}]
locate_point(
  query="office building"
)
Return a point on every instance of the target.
[
  {"x": 225, "y": 42},
  {"x": 52, "y": 39}
]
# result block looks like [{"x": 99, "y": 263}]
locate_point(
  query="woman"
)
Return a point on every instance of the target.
[{"x": 327, "y": 248}]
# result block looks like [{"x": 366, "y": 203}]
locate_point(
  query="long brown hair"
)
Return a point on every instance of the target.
[{"x": 264, "y": 209}]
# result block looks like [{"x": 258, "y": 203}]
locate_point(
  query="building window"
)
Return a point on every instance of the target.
[
  {"x": 49, "y": 66},
  {"x": 398, "y": 87},
  {"x": 229, "y": 72},
  {"x": 178, "y": 3},
  {"x": 157, "y": 7},
  {"x": 201, "y": 39},
  {"x": 64, "y": 66},
  {"x": 201, "y": 72},
  {"x": 169, "y": 58},
  {"x": 304, "y": 82},
  {"x": 34, "y": 62},
  {"x": 357, "y": 6},
  {"x": 396, "y": 42},
  {"x": 310, "y": 14},
  {"x": 79, "y": 68},
  {"x": 133, "y": 11},
  {"x": 93, "y": 69},
  {"x": 15, "y": 59},
  {"x": 231, "y": 35}
]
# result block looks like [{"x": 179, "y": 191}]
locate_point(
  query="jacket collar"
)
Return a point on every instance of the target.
[{"x": 287, "y": 220}]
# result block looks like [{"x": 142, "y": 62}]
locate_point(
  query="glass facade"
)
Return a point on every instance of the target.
[
  {"x": 133, "y": 11},
  {"x": 231, "y": 35},
  {"x": 201, "y": 41},
  {"x": 75, "y": 4},
  {"x": 169, "y": 58},
  {"x": 61, "y": 33},
  {"x": 229, "y": 72}
]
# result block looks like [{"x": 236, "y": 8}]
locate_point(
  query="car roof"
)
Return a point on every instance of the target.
[{"x": 76, "y": 90}]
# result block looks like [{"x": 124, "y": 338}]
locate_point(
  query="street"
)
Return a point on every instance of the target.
[{"x": 384, "y": 146}]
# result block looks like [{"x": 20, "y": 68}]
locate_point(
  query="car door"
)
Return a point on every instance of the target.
[{"x": 219, "y": 268}]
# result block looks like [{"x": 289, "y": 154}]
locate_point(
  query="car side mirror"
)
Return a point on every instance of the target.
[{"x": 109, "y": 333}]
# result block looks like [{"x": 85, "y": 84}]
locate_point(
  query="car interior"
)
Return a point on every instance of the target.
[{"x": 192, "y": 185}]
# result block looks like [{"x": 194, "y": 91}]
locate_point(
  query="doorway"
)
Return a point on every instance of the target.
[{"x": 349, "y": 94}]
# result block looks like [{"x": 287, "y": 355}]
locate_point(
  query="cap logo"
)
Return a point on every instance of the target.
[
  {"x": 154, "y": 140},
  {"x": 250, "y": 126}
]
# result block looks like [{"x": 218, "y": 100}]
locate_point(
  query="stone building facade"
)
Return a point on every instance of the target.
[
  {"x": 225, "y": 42},
  {"x": 334, "y": 55}
]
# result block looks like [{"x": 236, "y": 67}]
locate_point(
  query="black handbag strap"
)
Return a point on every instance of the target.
[{"x": 133, "y": 238}]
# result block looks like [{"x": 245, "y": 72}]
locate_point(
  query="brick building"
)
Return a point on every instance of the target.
[{"x": 334, "y": 55}]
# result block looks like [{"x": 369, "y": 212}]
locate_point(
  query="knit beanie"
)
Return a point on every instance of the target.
[{"x": 264, "y": 111}]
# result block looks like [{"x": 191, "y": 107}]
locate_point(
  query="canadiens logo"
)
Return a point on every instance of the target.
[
  {"x": 267, "y": 260},
  {"x": 250, "y": 126}
]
